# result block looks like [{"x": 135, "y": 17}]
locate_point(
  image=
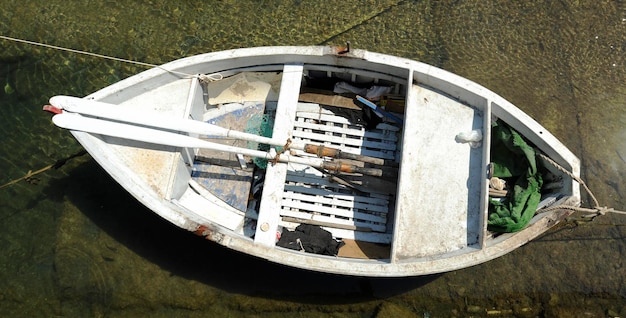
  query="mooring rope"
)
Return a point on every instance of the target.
[
  {"x": 593, "y": 212},
  {"x": 202, "y": 77},
  {"x": 56, "y": 165},
  {"x": 29, "y": 175}
]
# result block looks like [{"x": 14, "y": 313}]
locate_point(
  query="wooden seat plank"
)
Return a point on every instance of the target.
[{"x": 275, "y": 175}]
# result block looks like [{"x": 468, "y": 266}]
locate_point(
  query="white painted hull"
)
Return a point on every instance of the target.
[{"x": 438, "y": 219}]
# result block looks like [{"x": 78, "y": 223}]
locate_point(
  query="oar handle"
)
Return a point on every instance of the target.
[
  {"x": 347, "y": 168},
  {"x": 325, "y": 151}
]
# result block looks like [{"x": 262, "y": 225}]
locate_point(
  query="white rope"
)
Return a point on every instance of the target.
[
  {"x": 148, "y": 65},
  {"x": 202, "y": 77},
  {"x": 595, "y": 211}
]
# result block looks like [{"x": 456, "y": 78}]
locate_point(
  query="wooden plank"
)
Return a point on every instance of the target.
[
  {"x": 324, "y": 116},
  {"x": 322, "y": 218},
  {"x": 325, "y": 97},
  {"x": 317, "y": 191},
  {"x": 363, "y": 250},
  {"x": 361, "y": 133},
  {"x": 327, "y": 192},
  {"x": 325, "y": 224},
  {"x": 271, "y": 197},
  {"x": 313, "y": 208},
  {"x": 344, "y": 140},
  {"x": 330, "y": 200},
  {"x": 328, "y": 116},
  {"x": 331, "y": 189},
  {"x": 373, "y": 200}
]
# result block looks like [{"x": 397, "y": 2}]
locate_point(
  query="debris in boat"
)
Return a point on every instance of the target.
[
  {"x": 251, "y": 86},
  {"x": 364, "y": 117},
  {"x": 372, "y": 93},
  {"x": 393, "y": 103},
  {"x": 311, "y": 239},
  {"x": 325, "y": 97},
  {"x": 378, "y": 110},
  {"x": 497, "y": 183},
  {"x": 315, "y": 86},
  {"x": 497, "y": 188}
]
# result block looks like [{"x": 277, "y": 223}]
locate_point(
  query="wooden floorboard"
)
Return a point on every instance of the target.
[{"x": 364, "y": 250}]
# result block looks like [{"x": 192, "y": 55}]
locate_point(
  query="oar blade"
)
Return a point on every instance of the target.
[
  {"x": 113, "y": 129},
  {"x": 124, "y": 114},
  {"x": 144, "y": 134}
]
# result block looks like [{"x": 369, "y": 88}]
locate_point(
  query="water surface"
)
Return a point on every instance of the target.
[{"x": 75, "y": 244}]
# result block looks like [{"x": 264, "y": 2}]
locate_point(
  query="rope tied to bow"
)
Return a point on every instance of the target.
[{"x": 593, "y": 212}]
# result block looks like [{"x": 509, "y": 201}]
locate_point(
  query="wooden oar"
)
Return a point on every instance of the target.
[
  {"x": 119, "y": 113},
  {"x": 78, "y": 122}
]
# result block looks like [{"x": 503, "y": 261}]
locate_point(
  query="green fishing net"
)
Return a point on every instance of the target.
[
  {"x": 513, "y": 160},
  {"x": 261, "y": 125}
]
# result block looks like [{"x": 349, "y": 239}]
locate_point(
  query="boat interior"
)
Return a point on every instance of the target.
[{"x": 431, "y": 195}]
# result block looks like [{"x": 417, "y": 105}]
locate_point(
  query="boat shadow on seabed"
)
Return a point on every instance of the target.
[{"x": 135, "y": 229}]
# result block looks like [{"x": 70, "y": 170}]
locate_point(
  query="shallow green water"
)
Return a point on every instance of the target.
[{"x": 75, "y": 244}]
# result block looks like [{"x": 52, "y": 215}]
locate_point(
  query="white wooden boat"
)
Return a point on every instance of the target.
[{"x": 155, "y": 134}]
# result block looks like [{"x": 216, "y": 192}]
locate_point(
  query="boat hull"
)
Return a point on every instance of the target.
[{"x": 419, "y": 244}]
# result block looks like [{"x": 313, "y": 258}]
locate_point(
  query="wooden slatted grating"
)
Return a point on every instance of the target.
[{"x": 310, "y": 196}]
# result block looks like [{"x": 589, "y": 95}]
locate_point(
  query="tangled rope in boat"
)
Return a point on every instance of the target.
[{"x": 597, "y": 210}]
